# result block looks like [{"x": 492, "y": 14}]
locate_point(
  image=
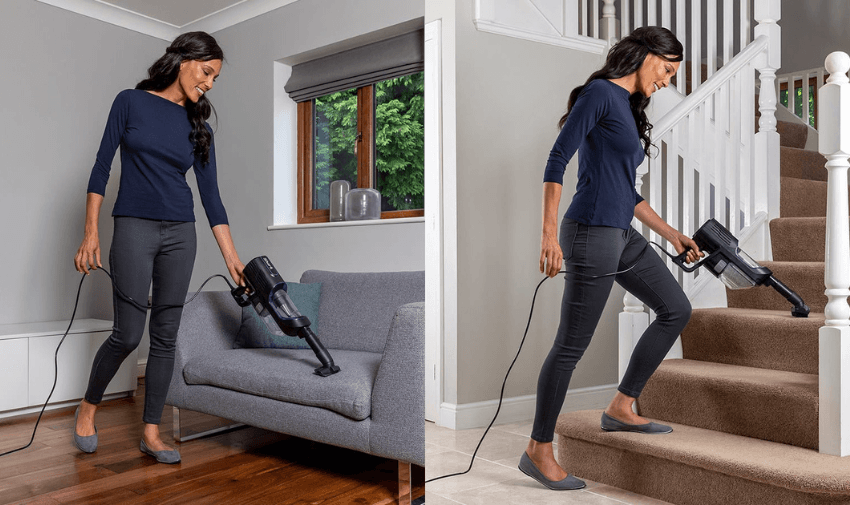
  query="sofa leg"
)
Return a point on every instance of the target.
[
  {"x": 188, "y": 425},
  {"x": 411, "y": 483}
]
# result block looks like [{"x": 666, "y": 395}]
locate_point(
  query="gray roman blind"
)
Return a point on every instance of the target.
[{"x": 357, "y": 67}]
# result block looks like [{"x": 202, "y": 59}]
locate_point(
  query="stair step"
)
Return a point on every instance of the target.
[
  {"x": 798, "y": 238},
  {"x": 791, "y": 134},
  {"x": 806, "y": 278},
  {"x": 771, "y": 405},
  {"x": 754, "y": 338},
  {"x": 802, "y": 164},
  {"x": 802, "y": 198},
  {"x": 695, "y": 466}
]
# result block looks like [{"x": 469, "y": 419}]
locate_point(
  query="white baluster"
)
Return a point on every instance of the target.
[
  {"x": 834, "y": 337},
  {"x": 744, "y": 16},
  {"x": 666, "y": 14},
  {"x": 682, "y": 35},
  {"x": 609, "y": 22},
  {"x": 696, "y": 49},
  {"x": 638, "y": 7},
  {"x": 594, "y": 19},
  {"x": 711, "y": 36},
  {"x": 805, "y": 104},
  {"x": 728, "y": 29},
  {"x": 625, "y": 27}
]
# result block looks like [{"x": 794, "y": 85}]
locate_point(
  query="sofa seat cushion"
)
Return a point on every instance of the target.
[{"x": 287, "y": 375}]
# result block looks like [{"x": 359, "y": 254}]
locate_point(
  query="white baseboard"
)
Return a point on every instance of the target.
[
  {"x": 519, "y": 408},
  {"x": 140, "y": 367}
]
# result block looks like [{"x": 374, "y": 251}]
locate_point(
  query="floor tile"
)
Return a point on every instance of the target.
[
  {"x": 527, "y": 491},
  {"x": 432, "y": 498},
  {"x": 483, "y": 473},
  {"x": 626, "y": 496}
]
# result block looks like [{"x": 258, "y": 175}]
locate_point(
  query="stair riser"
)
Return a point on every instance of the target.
[
  {"x": 800, "y": 239},
  {"x": 674, "y": 482},
  {"x": 806, "y": 281},
  {"x": 801, "y": 198},
  {"x": 802, "y": 164},
  {"x": 787, "y": 343},
  {"x": 762, "y": 411}
]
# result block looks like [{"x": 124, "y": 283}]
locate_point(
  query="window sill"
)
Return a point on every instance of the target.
[{"x": 334, "y": 224}]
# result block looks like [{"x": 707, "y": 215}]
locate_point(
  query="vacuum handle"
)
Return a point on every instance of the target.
[
  {"x": 240, "y": 294},
  {"x": 680, "y": 260}
]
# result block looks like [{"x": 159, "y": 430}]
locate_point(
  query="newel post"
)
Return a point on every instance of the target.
[
  {"x": 834, "y": 336},
  {"x": 633, "y": 320},
  {"x": 767, "y": 13}
]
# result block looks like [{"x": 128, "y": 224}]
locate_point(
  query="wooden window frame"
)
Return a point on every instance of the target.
[{"x": 364, "y": 150}]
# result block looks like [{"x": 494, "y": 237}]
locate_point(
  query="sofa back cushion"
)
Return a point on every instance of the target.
[{"x": 356, "y": 309}]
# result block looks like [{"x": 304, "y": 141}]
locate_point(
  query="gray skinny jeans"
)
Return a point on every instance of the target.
[
  {"x": 146, "y": 252},
  {"x": 595, "y": 250}
]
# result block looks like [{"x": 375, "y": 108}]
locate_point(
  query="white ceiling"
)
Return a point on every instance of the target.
[
  {"x": 166, "y": 19},
  {"x": 175, "y": 12}
]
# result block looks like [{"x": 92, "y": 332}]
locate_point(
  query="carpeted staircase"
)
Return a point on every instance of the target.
[{"x": 744, "y": 400}]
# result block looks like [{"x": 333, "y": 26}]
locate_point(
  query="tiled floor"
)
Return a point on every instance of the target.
[{"x": 495, "y": 478}]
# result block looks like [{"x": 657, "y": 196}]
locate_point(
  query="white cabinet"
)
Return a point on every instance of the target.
[{"x": 27, "y": 364}]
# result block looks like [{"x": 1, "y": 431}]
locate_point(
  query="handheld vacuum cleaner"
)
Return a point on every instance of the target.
[
  {"x": 269, "y": 298},
  {"x": 726, "y": 261}
]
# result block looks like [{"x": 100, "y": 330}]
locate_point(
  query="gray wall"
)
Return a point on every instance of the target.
[
  {"x": 61, "y": 73},
  {"x": 811, "y": 30},
  {"x": 510, "y": 94}
]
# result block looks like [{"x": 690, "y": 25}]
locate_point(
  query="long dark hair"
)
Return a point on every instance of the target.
[
  {"x": 199, "y": 46},
  {"x": 626, "y": 57}
]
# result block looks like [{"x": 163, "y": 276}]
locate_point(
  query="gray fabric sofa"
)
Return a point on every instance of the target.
[{"x": 373, "y": 326}]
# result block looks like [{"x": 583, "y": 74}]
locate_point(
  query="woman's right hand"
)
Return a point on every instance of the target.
[
  {"x": 551, "y": 256},
  {"x": 88, "y": 255}
]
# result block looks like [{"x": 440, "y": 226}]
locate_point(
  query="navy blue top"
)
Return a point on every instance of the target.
[
  {"x": 156, "y": 153},
  {"x": 602, "y": 128}
]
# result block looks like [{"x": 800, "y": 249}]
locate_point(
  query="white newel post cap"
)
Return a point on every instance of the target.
[
  {"x": 837, "y": 64},
  {"x": 834, "y": 97}
]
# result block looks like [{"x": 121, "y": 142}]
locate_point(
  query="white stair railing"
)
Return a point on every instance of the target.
[
  {"x": 711, "y": 163},
  {"x": 834, "y": 336}
]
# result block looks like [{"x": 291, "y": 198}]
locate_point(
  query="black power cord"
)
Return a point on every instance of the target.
[
  {"x": 524, "y": 335},
  {"x": 73, "y": 315}
]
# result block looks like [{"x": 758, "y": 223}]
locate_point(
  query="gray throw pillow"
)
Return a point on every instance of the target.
[{"x": 253, "y": 332}]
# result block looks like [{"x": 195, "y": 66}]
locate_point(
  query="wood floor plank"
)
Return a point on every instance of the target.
[{"x": 246, "y": 465}]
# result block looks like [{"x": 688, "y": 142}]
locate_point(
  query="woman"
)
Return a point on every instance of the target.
[
  {"x": 605, "y": 121},
  {"x": 162, "y": 130}
]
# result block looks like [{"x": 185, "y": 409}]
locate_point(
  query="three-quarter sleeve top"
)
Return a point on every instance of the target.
[
  {"x": 602, "y": 128},
  {"x": 156, "y": 153}
]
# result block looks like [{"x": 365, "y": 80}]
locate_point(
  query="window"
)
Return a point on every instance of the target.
[{"x": 371, "y": 136}]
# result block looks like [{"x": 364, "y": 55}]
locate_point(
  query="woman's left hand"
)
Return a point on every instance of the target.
[{"x": 682, "y": 243}]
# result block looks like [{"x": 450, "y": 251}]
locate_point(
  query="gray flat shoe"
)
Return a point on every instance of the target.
[
  {"x": 611, "y": 424},
  {"x": 86, "y": 444},
  {"x": 169, "y": 457},
  {"x": 569, "y": 482}
]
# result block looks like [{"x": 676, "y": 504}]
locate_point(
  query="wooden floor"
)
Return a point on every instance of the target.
[{"x": 247, "y": 465}]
